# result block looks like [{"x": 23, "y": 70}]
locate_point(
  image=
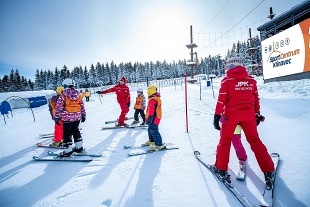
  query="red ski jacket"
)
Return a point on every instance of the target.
[
  {"x": 122, "y": 93},
  {"x": 238, "y": 92}
]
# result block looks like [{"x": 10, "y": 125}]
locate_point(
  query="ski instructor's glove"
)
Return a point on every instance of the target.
[
  {"x": 99, "y": 92},
  {"x": 56, "y": 121},
  {"x": 128, "y": 104},
  {"x": 216, "y": 122},
  {"x": 259, "y": 118}
]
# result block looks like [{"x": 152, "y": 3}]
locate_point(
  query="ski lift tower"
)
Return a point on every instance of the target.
[
  {"x": 250, "y": 51},
  {"x": 192, "y": 62}
]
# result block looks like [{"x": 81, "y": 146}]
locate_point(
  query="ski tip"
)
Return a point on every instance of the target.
[
  {"x": 263, "y": 203},
  {"x": 50, "y": 153},
  {"x": 274, "y": 154},
  {"x": 196, "y": 153},
  {"x": 35, "y": 158}
]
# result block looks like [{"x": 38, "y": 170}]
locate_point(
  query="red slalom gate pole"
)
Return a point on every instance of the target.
[{"x": 186, "y": 114}]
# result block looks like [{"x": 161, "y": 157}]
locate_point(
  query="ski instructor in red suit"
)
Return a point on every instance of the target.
[
  {"x": 123, "y": 99},
  {"x": 238, "y": 103}
]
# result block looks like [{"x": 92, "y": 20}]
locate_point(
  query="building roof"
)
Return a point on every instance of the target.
[{"x": 300, "y": 10}]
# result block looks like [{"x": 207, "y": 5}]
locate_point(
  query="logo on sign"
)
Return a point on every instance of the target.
[{"x": 277, "y": 45}]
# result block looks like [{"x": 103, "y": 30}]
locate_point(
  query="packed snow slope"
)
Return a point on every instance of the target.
[{"x": 162, "y": 179}]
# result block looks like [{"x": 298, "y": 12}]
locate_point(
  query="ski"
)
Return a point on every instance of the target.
[
  {"x": 55, "y": 158},
  {"x": 134, "y": 147},
  {"x": 45, "y": 136},
  {"x": 125, "y": 127},
  {"x": 227, "y": 184},
  {"x": 115, "y": 127},
  {"x": 76, "y": 154},
  {"x": 267, "y": 198},
  {"x": 47, "y": 146},
  {"x": 138, "y": 126},
  {"x": 149, "y": 151},
  {"x": 114, "y": 121},
  {"x": 141, "y": 146}
]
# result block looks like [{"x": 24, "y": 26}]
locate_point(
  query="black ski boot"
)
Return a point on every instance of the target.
[
  {"x": 223, "y": 174},
  {"x": 269, "y": 178},
  {"x": 67, "y": 152},
  {"x": 78, "y": 147}
]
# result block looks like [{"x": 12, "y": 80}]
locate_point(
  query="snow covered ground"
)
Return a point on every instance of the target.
[{"x": 163, "y": 179}]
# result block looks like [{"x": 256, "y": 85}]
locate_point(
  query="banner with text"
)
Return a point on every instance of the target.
[{"x": 287, "y": 52}]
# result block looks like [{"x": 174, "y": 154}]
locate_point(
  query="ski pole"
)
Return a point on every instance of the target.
[
  {"x": 212, "y": 87},
  {"x": 100, "y": 99}
]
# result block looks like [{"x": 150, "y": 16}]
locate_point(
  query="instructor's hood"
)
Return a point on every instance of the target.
[{"x": 237, "y": 72}]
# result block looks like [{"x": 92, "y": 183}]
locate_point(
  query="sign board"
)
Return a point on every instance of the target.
[{"x": 287, "y": 52}]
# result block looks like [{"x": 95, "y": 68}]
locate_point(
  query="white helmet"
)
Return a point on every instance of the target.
[
  {"x": 233, "y": 62},
  {"x": 140, "y": 90},
  {"x": 68, "y": 82}
]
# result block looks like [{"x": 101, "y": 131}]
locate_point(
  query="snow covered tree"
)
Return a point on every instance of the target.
[
  {"x": 64, "y": 73},
  {"x": 5, "y": 84}
]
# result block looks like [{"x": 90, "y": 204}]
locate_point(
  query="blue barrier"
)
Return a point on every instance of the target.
[
  {"x": 5, "y": 107},
  {"x": 37, "y": 101},
  {"x": 208, "y": 83}
]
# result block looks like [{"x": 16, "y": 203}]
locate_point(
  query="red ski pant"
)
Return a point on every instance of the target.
[
  {"x": 58, "y": 132},
  {"x": 247, "y": 120},
  {"x": 124, "y": 111}
]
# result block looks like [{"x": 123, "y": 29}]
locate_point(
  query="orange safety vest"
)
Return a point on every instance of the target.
[
  {"x": 158, "y": 110},
  {"x": 53, "y": 105},
  {"x": 87, "y": 94},
  {"x": 139, "y": 101},
  {"x": 73, "y": 106}
]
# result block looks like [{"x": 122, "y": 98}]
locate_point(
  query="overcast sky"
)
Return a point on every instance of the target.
[{"x": 45, "y": 34}]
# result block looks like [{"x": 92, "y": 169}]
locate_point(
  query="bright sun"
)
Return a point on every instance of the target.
[{"x": 166, "y": 34}]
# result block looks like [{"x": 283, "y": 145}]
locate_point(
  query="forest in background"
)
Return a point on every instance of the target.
[{"x": 103, "y": 74}]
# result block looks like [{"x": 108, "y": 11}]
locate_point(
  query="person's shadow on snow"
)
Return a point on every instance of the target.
[{"x": 146, "y": 186}]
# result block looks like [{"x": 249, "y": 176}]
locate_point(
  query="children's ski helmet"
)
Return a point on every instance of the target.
[
  {"x": 60, "y": 89},
  {"x": 151, "y": 90},
  {"x": 68, "y": 82},
  {"x": 140, "y": 90}
]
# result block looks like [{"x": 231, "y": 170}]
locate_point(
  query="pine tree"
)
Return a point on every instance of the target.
[
  {"x": 1, "y": 86},
  {"x": 17, "y": 81},
  {"x": 64, "y": 73},
  {"x": 86, "y": 77},
  {"x": 6, "y": 83}
]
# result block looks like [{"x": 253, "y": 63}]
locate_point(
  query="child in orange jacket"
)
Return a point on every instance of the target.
[{"x": 139, "y": 107}]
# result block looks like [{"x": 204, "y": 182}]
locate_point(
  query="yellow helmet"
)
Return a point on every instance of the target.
[
  {"x": 60, "y": 89},
  {"x": 151, "y": 90}
]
